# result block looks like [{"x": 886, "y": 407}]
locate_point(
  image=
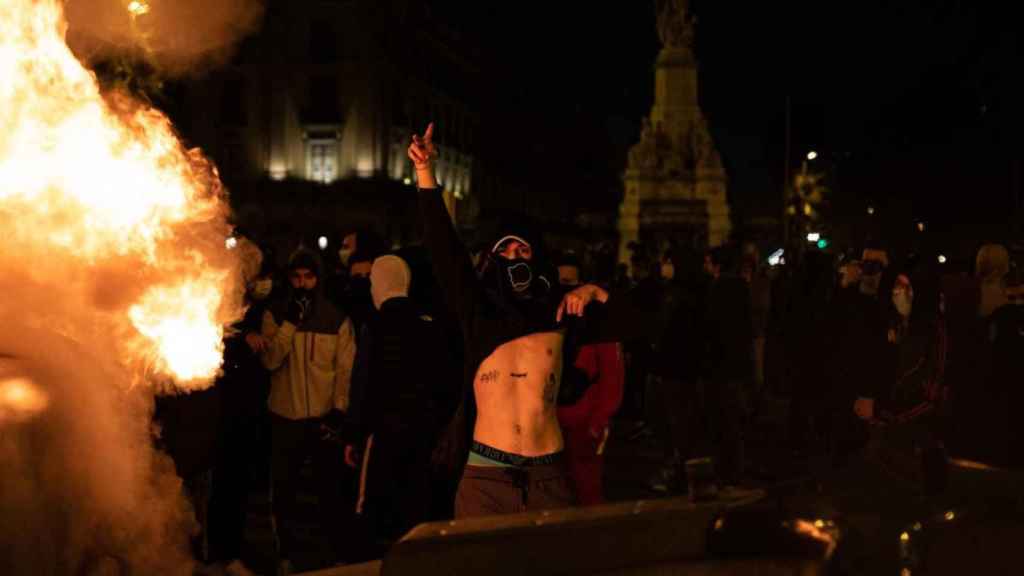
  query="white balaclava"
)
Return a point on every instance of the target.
[{"x": 389, "y": 278}]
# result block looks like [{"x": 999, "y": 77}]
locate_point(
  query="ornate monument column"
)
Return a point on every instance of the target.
[{"x": 675, "y": 182}]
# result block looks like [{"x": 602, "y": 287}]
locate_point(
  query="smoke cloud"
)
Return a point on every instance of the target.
[
  {"x": 178, "y": 37},
  {"x": 116, "y": 284}
]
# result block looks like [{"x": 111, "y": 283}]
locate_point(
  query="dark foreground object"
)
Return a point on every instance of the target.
[{"x": 729, "y": 536}]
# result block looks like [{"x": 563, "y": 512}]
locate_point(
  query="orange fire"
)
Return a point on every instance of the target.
[{"x": 102, "y": 205}]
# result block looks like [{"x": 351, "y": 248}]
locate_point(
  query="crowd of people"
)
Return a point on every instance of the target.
[{"x": 432, "y": 382}]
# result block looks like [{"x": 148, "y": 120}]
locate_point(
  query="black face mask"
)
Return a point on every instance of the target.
[
  {"x": 514, "y": 279},
  {"x": 517, "y": 274},
  {"x": 358, "y": 299},
  {"x": 359, "y": 285},
  {"x": 302, "y": 294}
]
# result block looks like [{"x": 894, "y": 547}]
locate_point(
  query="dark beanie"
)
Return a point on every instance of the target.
[{"x": 305, "y": 260}]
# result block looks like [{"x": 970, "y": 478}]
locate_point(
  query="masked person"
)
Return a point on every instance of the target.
[
  {"x": 309, "y": 352},
  {"x": 861, "y": 341},
  {"x": 906, "y": 397},
  {"x": 515, "y": 327},
  {"x": 357, "y": 301},
  {"x": 244, "y": 387},
  {"x": 405, "y": 353}
]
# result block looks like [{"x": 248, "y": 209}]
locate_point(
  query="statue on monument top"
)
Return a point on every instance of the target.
[{"x": 675, "y": 23}]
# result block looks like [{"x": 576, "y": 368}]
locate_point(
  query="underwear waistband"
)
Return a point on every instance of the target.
[{"x": 510, "y": 459}]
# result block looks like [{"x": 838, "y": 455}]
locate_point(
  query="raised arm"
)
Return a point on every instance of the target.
[{"x": 449, "y": 257}]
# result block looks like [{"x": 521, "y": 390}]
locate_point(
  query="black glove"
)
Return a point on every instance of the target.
[
  {"x": 298, "y": 308},
  {"x": 333, "y": 429}
]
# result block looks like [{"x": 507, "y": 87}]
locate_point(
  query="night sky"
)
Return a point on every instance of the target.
[{"x": 911, "y": 103}]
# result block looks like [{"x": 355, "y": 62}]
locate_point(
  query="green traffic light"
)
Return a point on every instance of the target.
[{"x": 822, "y": 243}]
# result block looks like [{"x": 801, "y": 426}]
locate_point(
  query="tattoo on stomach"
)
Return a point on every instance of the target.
[
  {"x": 550, "y": 389},
  {"x": 491, "y": 376}
]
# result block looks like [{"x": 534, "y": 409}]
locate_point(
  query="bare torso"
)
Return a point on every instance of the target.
[{"x": 516, "y": 388}]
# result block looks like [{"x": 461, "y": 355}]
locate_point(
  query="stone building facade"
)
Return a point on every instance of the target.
[{"x": 318, "y": 108}]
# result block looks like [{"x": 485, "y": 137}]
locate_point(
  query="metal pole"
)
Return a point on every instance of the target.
[{"x": 785, "y": 177}]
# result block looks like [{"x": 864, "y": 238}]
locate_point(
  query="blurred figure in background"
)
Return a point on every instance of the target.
[
  {"x": 242, "y": 439},
  {"x": 728, "y": 364},
  {"x": 590, "y": 393}
]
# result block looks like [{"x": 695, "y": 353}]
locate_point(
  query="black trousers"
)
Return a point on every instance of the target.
[
  {"x": 293, "y": 442},
  {"x": 686, "y": 426},
  {"x": 242, "y": 450},
  {"x": 399, "y": 487},
  {"x": 727, "y": 411}
]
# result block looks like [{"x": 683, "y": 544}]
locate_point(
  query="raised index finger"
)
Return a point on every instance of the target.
[{"x": 429, "y": 134}]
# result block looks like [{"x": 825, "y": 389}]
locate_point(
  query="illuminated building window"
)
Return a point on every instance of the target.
[
  {"x": 322, "y": 162},
  {"x": 322, "y": 155}
]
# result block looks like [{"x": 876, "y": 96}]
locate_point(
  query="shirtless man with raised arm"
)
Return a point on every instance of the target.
[{"x": 512, "y": 322}]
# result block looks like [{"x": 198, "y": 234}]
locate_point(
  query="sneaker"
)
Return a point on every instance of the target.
[
  {"x": 284, "y": 568},
  {"x": 237, "y": 568}
]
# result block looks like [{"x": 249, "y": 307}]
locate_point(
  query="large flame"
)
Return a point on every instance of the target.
[{"x": 96, "y": 192}]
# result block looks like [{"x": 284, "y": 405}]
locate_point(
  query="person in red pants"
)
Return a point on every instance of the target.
[{"x": 591, "y": 392}]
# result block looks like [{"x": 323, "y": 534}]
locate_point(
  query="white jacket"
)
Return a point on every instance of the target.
[{"x": 310, "y": 366}]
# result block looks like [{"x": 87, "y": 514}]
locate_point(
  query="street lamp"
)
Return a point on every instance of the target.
[
  {"x": 813, "y": 237},
  {"x": 322, "y": 242},
  {"x": 812, "y": 155},
  {"x": 871, "y": 210}
]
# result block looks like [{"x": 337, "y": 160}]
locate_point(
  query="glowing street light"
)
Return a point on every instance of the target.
[
  {"x": 813, "y": 236},
  {"x": 322, "y": 242},
  {"x": 871, "y": 210},
  {"x": 407, "y": 181},
  {"x": 138, "y": 7},
  {"x": 812, "y": 155},
  {"x": 942, "y": 258}
]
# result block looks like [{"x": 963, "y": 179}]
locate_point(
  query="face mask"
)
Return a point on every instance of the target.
[
  {"x": 903, "y": 301},
  {"x": 344, "y": 254},
  {"x": 359, "y": 300},
  {"x": 260, "y": 289},
  {"x": 359, "y": 285},
  {"x": 302, "y": 294},
  {"x": 510, "y": 280},
  {"x": 517, "y": 275}
]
